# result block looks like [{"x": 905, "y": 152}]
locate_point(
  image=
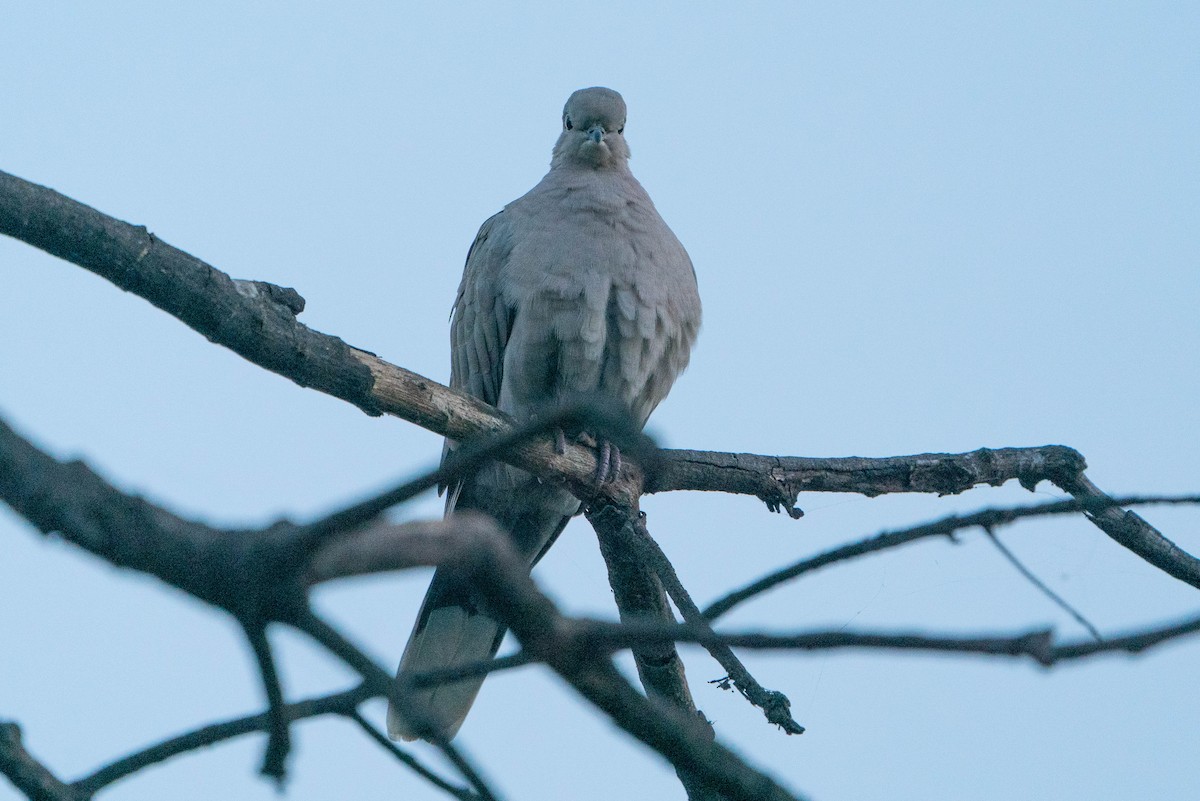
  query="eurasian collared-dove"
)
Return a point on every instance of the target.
[{"x": 578, "y": 288}]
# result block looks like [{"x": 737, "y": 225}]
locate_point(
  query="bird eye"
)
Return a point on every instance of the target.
[
  {"x": 569, "y": 125},
  {"x": 621, "y": 130}
]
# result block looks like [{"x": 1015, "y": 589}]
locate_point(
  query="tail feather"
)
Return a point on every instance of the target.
[
  {"x": 449, "y": 632},
  {"x": 452, "y": 628}
]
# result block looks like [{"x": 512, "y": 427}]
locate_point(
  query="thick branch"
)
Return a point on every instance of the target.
[
  {"x": 258, "y": 322},
  {"x": 639, "y": 596},
  {"x": 69, "y": 498},
  {"x": 259, "y": 325},
  {"x": 777, "y": 480},
  {"x": 1129, "y": 529},
  {"x": 553, "y": 639}
]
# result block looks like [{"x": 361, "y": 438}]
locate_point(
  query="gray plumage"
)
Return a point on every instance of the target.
[{"x": 578, "y": 288}]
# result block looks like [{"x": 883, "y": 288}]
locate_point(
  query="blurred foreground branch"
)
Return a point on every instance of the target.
[
  {"x": 258, "y": 321},
  {"x": 261, "y": 576}
]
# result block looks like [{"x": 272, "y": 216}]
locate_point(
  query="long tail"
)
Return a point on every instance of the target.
[
  {"x": 453, "y": 629},
  {"x": 450, "y": 631}
]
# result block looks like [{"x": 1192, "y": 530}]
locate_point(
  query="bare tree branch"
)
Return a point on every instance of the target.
[
  {"x": 684, "y": 740},
  {"x": 279, "y": 741},
  {"x": 37, "y": 490},
  {"x": 547, "y": 637},
  {"x": 944, "y": 527},
  {"x": 26, "y": 773},
  {"x": 399, "y": 753},
  {"x": 256, "y": 575},
  {"x": 382, "y": 682},
  {"x": 344, "y": 704},
  {"x": 1040, "y": 585},
  {"x": 777, "y": 480},
  {"x": 261, "y": 327},
  {"x": 614, "y": 423},
  {"x": 569, "y": 647},
  {"x": 630, "y": 543},
  {"x": 480, "y": 668},
  {"x": 336, "y": 704},
  {"x": 1130, "y": 530},
  {"x": 1038, "y": 645},
  {"x": 262, "y": 575},
  {"x": 258, "y": 322},
  {"x": 776, "y": 706},
  {"x": 383, "y": 547},
  {"x": 639, "y": 596},
  {"x": 1133, "y": 642}
]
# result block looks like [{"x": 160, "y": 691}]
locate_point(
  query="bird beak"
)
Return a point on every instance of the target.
[{"x": 596, "y": 134}]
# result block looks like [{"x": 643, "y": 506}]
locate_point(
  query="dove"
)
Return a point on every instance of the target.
[{"x": 576, "y": 289}]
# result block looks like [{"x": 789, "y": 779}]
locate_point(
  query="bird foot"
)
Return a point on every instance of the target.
[
  {"x": 608, "y": 463},
  {"x": 608, "y": 457}
]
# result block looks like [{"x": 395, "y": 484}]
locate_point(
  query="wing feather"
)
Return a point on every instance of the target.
[{"x": 480, "y": 323}]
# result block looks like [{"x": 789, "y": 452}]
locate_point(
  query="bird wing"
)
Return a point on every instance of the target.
[
  {"x": 480, "y": 324},
  {"x": 481, "y": 321}
]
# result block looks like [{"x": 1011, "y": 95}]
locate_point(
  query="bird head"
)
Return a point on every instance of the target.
[{"x": 593, "y": 133}]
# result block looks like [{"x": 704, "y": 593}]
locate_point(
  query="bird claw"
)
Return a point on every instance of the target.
[
  {"x": 608, "y": 463},
  {"x": 560, "y": 441}
]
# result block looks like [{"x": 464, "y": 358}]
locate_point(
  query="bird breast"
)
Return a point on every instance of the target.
[{"x": 605, "y": 301}]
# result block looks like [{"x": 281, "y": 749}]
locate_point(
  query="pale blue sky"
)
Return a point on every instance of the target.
[{"x": 917, "y": 227}]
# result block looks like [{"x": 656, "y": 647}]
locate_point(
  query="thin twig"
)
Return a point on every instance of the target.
[
  {"x": 775, "y": 705},
  {"x": 381, "y": 681},
  {"x": 1038, "y": 644},
  {"x": 408, "y": 759},
  {"x": 943, "y": 527},
  {"x": 1039, "y": 584},
  {"x": 430, "y": 678},
  {"x": 1134, "y": 642},
  {"x": 274, "y": 764},
  {"x": 334, "y": 704}
]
